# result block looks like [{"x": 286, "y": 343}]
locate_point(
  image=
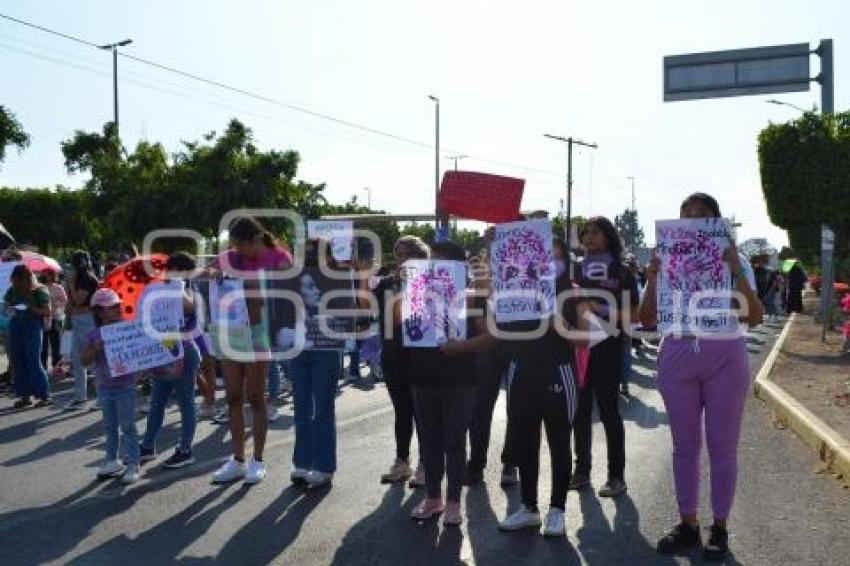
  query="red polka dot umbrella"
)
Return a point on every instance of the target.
[{"x": 130, "y": 279}]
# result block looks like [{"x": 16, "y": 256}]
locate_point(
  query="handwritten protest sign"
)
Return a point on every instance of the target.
[
  {"x": 481, "y": 196},
  {"x": 433, "y": 308},
  {"x": 6, "y": 269},
  {"x": 523, "y": 271},
  {"x": 130, "y": 349},
  {"x": 227, "y": 303},
  {"x": 160, "y": 307},
  {"x": 691, "y": 253},
  {"x": 339, "y": 232},
  {"x": 294, "y": 324}
]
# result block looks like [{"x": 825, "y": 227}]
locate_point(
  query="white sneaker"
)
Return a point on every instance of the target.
[
  {"x": 273, "y": 412},
  {"x": 255, "y": 473},
  {"x": 554, "y": 526},
  {"x": 318, "y": 479},
  {"x": 110, "y": 469},
  {"x": 299, "y": 476},
  {"x": 131, "y": 475},
  {"x": 229, "y": 471},
  {"x": 522, "y": 519}
]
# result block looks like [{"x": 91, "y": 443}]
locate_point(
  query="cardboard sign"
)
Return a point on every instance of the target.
[
  {"x": 340, "y": 233},
  {"x": 691, "y": 253},
  {"x": 480, "y": 196},
  {"x": 129, "y": 349},
  {"x": 523, "y": 271},
  {"x": 160, "y": 306},
  {"x": 433, "y": 308},
  {"x": 292, "y": 325}
]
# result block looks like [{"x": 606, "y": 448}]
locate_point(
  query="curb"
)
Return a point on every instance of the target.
[{"x": 831, "y": 447}]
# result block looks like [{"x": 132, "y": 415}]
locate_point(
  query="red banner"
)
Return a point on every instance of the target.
[{"x": 480, "y": 196}]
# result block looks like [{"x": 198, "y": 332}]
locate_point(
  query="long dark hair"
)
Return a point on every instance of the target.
[
  {"x": 81, "y": 261},
  {"x": 612, "y": 237},
  {"x": 247, "y": 229},
  {"x": 703, "y": 198}
]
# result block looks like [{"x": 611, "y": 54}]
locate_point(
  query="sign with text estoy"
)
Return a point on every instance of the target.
[
  {"x": 523, "y": 271},
  {"x": 340, "y": 233},
  {"x": 692, "y": 261},
  {"x": 481, "y": 196},
  {"x": 130, "y": 349},
  {"x": 433, "y": 307}
]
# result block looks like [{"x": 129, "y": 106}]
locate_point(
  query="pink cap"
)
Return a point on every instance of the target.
[{"x": 105, "y": 298}]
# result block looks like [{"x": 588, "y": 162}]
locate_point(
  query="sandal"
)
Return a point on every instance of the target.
[
  {"x": 428, "y": 509},
  {"x": 22, "y": 403}
]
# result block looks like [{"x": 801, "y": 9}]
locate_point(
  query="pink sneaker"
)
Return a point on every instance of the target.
[
  {"x": 428, "y": 509},
  {"x": 453, "y": 516}
]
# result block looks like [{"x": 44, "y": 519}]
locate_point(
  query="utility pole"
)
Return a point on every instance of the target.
[
  {"x": 440, "y": 221},
  {"x": 114, "y": 48},
  {"x": 632, "y": 179},
  {"x": 456, "y": 158},
  {"x": 368, "y": 197},
  {"x": 569, "y": 141},
  {"x": 827, "y": 96}
]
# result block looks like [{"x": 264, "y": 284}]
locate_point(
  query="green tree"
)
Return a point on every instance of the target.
[
  {"x": 11, "y": 133},
  {"x": 805, "y": 175},
  {"x": 629, "y": 228}
]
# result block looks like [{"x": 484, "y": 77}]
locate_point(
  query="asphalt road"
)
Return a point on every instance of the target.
[{"x": 53, "y": 511}]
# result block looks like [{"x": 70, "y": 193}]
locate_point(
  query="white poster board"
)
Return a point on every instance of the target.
[
  {"x": 523, "y": 271},
  {"x": 227, "y": 303},
  {"x": 433, "y": 308},
  {"x": 692, "y": 263},
  {"x": 340, "y": 233},
  {"x": 161, "y": 306},
  {"x": 6, "y": 269},
  {"x": 130, "y": 349}
]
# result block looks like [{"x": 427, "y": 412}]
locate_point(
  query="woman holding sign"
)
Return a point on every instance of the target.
[
  {"x": 614, "y": 299},
  {"x": 704, "y": 376},
  {"x": 245, "y": 372}
]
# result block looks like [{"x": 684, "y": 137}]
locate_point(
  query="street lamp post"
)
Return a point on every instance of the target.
[
  {"x": 781, "y": 103},
  {"x": 632, "y": 179},
  {"x": 569, "y": 141},
  {"x": 114, "y": 48},
  {"x": 438, "y": 217},
  {"x": 368, "y": 197}
]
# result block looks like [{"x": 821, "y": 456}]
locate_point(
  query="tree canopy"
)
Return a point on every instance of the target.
[
  {"x": 629, "y": 228},
  {"x": 11, "y": 133}
]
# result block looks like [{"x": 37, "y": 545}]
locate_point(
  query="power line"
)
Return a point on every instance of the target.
[{"x": 272, "y": 101}]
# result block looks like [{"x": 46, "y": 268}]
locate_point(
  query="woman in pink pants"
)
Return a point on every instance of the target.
[{"x": 706, "y": 378}]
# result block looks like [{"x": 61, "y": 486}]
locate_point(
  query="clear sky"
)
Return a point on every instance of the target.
[{"x": 506, "y": 72}]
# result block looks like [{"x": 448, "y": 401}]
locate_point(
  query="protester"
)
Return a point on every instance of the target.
[
  {"x": 181, "y": 382},
  {"x": 602, "y": 271},
  {"x": 704, "y": 379},
  {"x": 490, "y": 368},
  {"x": 254, "y": 249},
  {"x": 542, "y": 389},
  {"x": 314, "y": 374},
  {"x": 28, "y": 303},
  {"x": 117, "y": 394},
  {"x": 395, "y": 361},
  {"x": 54, "y": 323},
  {"x": 444, "y": 391},
  {"x": 82, "y": 284}
]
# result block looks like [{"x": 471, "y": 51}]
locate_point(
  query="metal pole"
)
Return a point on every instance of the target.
[
  {"x": 115, "y": 85},
  {"x": 569, "y": 223},
  {"x": 439, "y": 219},
  {"x": 827, "y": 96},
  {"x": 632, "y": 179},
  {"x": 826, "y": 78}
]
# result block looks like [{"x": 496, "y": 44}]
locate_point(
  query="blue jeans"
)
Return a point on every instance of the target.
[
  {"x": 185, "y": 388},
  {"x": 314, "y": 376},
  {"x": 81, "y": 325},
  {"x": 25, "y": 352},
  {"x": 119, "y": 411}
]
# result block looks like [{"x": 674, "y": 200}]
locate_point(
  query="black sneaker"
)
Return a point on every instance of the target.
[
  {"x": 718, "y": 544},
  {"x": 146, "y": 454},
  {"x": 180, "y": 459},
  {"x": 682, "y": 536},
  {"x": 579, "y": 482}
]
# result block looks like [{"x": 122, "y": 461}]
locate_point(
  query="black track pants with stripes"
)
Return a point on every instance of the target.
[{"x": 546, "y": 395}]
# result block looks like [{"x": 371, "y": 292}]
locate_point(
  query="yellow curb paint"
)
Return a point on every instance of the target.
[{"x": 831, "y": 447}]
